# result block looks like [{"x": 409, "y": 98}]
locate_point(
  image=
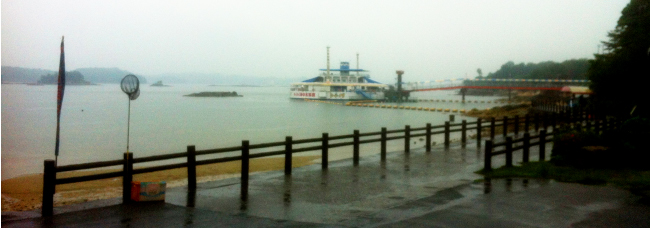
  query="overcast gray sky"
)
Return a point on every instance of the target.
[{"x": 429, "y": 40}]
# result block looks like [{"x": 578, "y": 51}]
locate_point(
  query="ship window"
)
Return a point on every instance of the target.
[{"x": 337, "y": 88}]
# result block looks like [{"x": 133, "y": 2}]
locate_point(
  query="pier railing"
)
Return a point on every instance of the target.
[{"x": 291, "y": 146}]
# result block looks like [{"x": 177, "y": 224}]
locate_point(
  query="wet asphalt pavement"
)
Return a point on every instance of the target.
[{"x": 418, "y": 189}]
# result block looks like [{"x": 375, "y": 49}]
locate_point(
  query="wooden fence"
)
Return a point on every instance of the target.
[
  {"x": 323, "y": 143},
  {"x": 528, "y": 141}
]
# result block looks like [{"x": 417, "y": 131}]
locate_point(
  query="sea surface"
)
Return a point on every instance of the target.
[{"x": 162, "y": 121}]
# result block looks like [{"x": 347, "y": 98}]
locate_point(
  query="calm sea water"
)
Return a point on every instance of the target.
[{"x": 94, "y": 121}]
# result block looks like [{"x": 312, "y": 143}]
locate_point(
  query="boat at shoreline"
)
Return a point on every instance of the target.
[{"x": 347, "y": 84}]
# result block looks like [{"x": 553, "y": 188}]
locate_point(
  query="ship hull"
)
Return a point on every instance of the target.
[{"x": 338, "y": 96}]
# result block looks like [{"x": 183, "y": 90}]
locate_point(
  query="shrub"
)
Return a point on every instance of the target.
[
  {"x": 622, "y": 148},
  {"x": 630, "y": 142},
  {"x": 580, "y": 149}
]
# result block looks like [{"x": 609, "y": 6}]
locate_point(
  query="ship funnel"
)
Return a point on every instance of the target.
[{"x": 345, "y": 68}]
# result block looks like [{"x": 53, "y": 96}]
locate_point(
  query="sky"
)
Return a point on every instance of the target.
[{"x": 428, "y": 39}]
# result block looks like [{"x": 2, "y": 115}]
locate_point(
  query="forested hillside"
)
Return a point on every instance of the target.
[
  {"x": 106, "y": 75},
  {"x": 575, "y": 69},
  {"x": 23, "y": 75},
  {"x": 93, "y": 75}
]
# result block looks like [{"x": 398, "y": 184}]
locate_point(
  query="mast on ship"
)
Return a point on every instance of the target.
[
  {"x": 328, "y": 62},
  {"x": 357, "y": 64}
]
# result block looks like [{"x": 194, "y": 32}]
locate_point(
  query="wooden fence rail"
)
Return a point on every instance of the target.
[
  {"x": 585, "y": 121},
  {"x": 325, "y": 143}
]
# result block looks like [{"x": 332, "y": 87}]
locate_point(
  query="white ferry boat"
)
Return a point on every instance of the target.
[{"x": 346, "y": 84}]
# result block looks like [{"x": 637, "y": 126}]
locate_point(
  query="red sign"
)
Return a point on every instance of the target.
[{"x": 305, "y": 94}]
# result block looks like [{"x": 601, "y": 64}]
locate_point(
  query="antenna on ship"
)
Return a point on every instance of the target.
[
  {"x": 328, "y": 61},
  {"x": 357, "y": 64}
]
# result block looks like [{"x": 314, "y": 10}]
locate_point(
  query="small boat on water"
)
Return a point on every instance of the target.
[{"x": 345, "y": 84}]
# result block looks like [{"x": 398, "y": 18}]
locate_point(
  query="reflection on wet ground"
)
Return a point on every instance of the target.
[
  {"x": 418, "y": 189},
  {"x": 375, "y": 192},
  {"x": 407, "y": 189}
]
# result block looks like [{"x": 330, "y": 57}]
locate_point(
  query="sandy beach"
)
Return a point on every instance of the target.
[{"x": 25, "y": 193}]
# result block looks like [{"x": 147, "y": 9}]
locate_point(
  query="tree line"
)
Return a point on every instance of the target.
[
  {"x": 71, "y": 78},
  {"x": 574, "y": 69},
  {"x": 618, "y": 75}
]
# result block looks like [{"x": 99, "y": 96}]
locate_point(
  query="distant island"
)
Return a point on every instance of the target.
[
  {"x": 159, "y": 84},
  {"x": 214, "y": 94},
  {"x": 71, "y": 78},
  {"x": 91, "y": 76}
]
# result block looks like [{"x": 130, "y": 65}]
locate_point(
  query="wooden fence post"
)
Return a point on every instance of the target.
[
  {"x": 127, "y": 177},
  {"x": 487, "y": 166},
  {"x": 49, "y": 187},
  {"x": 287, "y": 155},
  {"x": 325, "y": 151},
  {"x": 553, "y": 121},
  {"x": 526, "y": 123},
  {"x": 526, "y": 147},
  {"x": 478, "y": 132},
  {"x": 428, "y": 137},
  {"x": 505, "y": 126},
  {"x": 508, "y": 151},
  {"x": 542, "y": 145},
  {"x": 447, "y": 129},
  {"x": 355, "y": 150},
  {"x": 383, "y": 143},
  {"x": 245, "y": 160},
  {"x": 492, "y": 126},
  {"x": 407, "y": 139},
  {"x": 516, "y": 125},
  {"x": 463, "y": 135},
  {"x": 191, "y": 168}
]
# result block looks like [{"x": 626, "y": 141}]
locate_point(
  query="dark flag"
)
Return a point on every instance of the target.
[{"x": 59, "y": 97}]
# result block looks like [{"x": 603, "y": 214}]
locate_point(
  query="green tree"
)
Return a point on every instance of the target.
[{"x": 618, "y": 74}]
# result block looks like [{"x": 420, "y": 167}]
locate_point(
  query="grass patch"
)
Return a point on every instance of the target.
[{"x": 638, "y": 182}]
